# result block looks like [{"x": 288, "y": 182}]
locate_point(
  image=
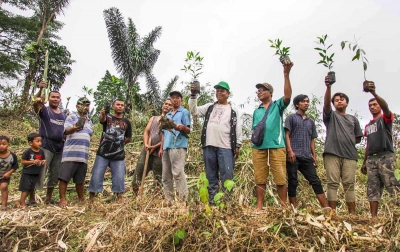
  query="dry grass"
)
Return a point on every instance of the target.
[{"x": 149, "y": 224}]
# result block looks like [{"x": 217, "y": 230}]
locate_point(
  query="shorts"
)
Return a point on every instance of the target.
[
  {"x": 264, "y": 160},
  {"x": 75, "y": 170},
  {"x": 5, "y": 180},
  {"x": 28, "y": 182},
  {"x": 380, "y": 170}
]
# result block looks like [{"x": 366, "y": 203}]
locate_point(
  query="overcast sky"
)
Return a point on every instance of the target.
[{"x": 233, "y": 38}]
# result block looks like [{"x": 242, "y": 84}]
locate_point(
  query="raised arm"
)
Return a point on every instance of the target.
[
  {"x": 327, "y": 97},
  {"x": 287, "y": 90},
  {"x": 382, "y": 103}
]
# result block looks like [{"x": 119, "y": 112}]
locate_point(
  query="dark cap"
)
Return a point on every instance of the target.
[
  {"x": 176, "y": 93},
  {"x": 266, "y": 86},
  {"x": 83, "y": 101}
]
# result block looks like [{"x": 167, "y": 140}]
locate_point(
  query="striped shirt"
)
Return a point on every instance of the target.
[{"x": 76, "y": 147}]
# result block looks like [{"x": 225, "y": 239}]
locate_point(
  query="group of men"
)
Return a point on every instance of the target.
[
  {"x": 286, "y": 147},
  {"x": 290, "y": 147}
]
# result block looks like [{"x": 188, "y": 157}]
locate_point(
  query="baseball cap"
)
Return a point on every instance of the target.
[
  {"x": 266, "y": 86},
  {"x": 83, "y": 101},
  {"x": 175, "y": 93},
  {"x": 222, "y": 84}
]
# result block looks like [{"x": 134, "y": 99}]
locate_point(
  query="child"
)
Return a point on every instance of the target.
[
  {"x": 32, "y": 160},
  {"x": 8, "y": 165}
]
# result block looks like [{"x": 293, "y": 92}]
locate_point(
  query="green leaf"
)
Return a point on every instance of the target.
[
  {"x": 202, "y": 176},
  {"x": 206, "y": 234},
  {"x": 354, "y": 47},
  {"x": 321, "y": 62},
  {"x": 322, "y": 55},
  {"x": 178, "y": 236},
  {"x": 203, "y": 194},
  {"x": 228, "y": 184},
  {"x": 218, "y": 197},
  {"x": 329, "y": 47},
  {"x": 319, "y": 49},
  {"x": 270, "y": 40},
  {"x": 365, "y": 66},
  {"x": 397, "y": 174},
  {"x": 354, "y": 58},
  {"x": 363, "y": 52},
  {"x": 325, "y": 65}
]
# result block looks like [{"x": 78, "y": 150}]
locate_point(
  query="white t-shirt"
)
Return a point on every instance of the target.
[{"x": 219, "y": 125}]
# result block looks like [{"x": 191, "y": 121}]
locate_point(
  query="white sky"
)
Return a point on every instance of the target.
[{"x": 233, "y": 38}]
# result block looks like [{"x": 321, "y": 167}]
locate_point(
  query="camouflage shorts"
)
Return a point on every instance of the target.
[{"x": 381, "y": 174}]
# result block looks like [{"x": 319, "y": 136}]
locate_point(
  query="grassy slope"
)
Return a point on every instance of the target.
[{"x": 150, "y": 225}]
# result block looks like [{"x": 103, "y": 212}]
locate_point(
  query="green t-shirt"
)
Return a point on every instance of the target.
[{"x": 274, "y": 136}]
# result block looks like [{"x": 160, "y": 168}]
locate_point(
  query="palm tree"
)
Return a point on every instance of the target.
[{"x": 133, "y": 56}]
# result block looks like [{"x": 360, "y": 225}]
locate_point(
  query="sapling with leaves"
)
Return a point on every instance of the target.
[
  {"x": 359, "y": 54},
  {"x": 193, "y": 66},
  {"x": 282, "y": 52},
  {"x": 327, "y": 60},
  {"x": 43, "y": 96}
]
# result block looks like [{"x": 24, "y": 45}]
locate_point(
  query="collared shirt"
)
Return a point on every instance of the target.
[
  {"x": 302, "y": 130},
  {"x": 181, "y": 116},
  {"x": 274, "y": 136}
]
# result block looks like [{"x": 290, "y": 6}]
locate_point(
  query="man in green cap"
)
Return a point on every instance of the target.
[{"x": 221, "y": 136}]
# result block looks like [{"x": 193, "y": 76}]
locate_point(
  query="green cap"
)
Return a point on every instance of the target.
[
  {"x": 83, "y": 101},
  {"x": 222, "y": 84}
]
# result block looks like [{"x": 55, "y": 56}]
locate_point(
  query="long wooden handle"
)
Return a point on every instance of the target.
[{"x": 144, "y": 170}]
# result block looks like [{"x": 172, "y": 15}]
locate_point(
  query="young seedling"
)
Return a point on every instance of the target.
[
  {"x": 359, "y": 54},
  {"x": 193, "y": 65},
  {"x": 202, "y": 184},
  {"x": 43, "y": 96},
  {"x": 282, "y": 52},
  {"x": 327, "y": 60}
]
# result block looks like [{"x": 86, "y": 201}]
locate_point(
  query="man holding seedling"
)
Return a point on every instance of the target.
[
  {"x": 173, "y": 149},
  {"x": 51, "y": 128},
  {"x": 78, "y": 130},
  {"x": 300, "y": 148},
  {"x": 221, "y": 136},
  {"x": 271, "y": 154},
  {"x": 117, "y": 131},
  {"x": 154, "y": 161},
  {"x": 340, "y": 153},
  {"x": 380, "y": 159}
]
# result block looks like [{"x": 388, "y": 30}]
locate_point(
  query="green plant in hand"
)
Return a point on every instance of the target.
[
  {"x": 282, "y": 52},
  {"x": 193, "y": 64},
  {"x": 359, "y": 53},
  {"x": 327, "y": 60}
]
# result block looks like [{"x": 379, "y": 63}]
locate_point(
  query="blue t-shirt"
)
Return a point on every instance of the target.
[
  {"x": 181, "y": 116},
  {"x": 76, "y": 148},
  {"x": 51, "y": 128}
]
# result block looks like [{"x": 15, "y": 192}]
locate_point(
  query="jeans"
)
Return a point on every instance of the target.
[
  {"x": 219, "y": 165},
  {"x": 118, "y": 170},
  {"x": 173, "y": 161},
  {"x": 307, "y": 168},
  {"x": 154, "y": 164},
  {"x": 52, "y": 168}
]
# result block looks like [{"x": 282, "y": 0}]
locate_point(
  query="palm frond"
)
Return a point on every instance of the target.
[
  {"x": 170, "y": 86},
  {"x": 151, "y": 58},
  {"x": 153, "y": 89},
  {"x": 116, "y": 29},
  {"x": 149, "y": 40}
]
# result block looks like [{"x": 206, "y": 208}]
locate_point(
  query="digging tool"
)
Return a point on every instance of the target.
[{"x": 146, "y": 163}]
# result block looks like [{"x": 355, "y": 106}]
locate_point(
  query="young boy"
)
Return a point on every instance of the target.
[
  {"x": 8, "y": 165},
  {"x": 32, "y": 159}
]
